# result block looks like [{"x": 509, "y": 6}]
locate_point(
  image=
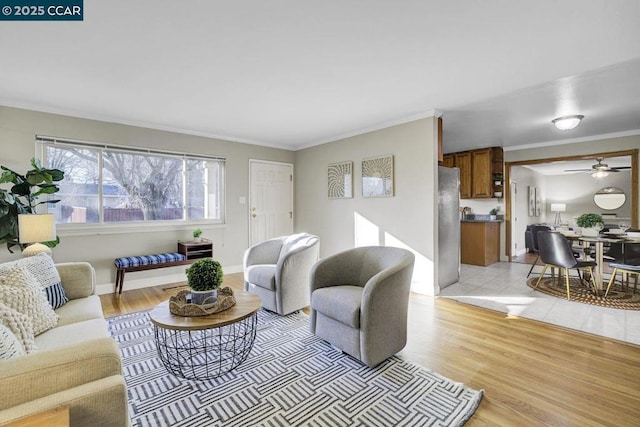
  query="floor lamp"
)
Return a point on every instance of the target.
[
  {"x": 557, "y": 208},
  {"x": 35, "y": 229}
]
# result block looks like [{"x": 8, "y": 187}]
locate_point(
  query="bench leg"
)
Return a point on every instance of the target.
[{"x": 119, "y": 281}]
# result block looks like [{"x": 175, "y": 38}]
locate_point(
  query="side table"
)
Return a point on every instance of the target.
[{"x": 205, "y": 347}]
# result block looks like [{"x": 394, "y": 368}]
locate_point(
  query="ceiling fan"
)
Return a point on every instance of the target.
[{"x": 600, "y": 169}]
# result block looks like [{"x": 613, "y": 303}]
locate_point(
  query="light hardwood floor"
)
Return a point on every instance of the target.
[{"x": 532, "y": 373}]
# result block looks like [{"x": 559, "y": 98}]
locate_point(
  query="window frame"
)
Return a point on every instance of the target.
[{"x": 118, "y": 227}]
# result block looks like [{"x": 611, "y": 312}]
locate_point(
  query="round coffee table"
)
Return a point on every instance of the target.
[{"x": 205, "y": 347}]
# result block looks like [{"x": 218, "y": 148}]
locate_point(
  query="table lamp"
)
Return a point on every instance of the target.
[
  {"x": 35, "y": 229},
  {"x": 557, "y": 208}
]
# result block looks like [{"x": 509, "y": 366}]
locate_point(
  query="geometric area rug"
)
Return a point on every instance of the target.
[{"x": 291, "y": 378}]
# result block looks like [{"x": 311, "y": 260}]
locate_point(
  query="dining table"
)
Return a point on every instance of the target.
[{"x": 599, "y": 245}]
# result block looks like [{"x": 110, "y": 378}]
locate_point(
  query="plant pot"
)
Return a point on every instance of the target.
[
  {"x": 204, "y": 297},
  {"x": 497, "y": 194},
  {"x": 493, "y": 217},
  {"x": 590, "y": 232}
]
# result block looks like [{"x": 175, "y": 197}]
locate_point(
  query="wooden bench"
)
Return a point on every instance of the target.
[
  {"x": 188, "y": 253},
  {"x": 146, "y": 262}
]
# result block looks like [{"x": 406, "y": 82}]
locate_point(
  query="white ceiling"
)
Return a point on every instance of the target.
[{"x": 293, "y": 74}]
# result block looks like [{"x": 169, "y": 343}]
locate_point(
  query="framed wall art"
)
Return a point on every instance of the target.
[
  {"x": 532, "y": 201},
  {"x": 377, "y": 177},
  {"x": 340, "y": 180},
  {"x": 538, "y": 204}
]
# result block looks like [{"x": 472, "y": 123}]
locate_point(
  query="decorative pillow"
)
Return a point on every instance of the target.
[
  {"x": 21, "y": 291},
  {"x": 21, "y": 328},
  {"x": 44, "y": 269},
  {"x": 10, "y": 347}
]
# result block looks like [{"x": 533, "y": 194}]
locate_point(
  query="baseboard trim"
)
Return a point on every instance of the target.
[{"x": 147, "y": 282}]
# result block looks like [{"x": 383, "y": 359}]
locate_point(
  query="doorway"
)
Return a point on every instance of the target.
[
  {"x": 510, "y": 213},
  {"x": 270, "y": 200}
]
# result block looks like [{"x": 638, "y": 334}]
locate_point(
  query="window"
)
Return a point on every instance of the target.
[{"x": 109, "y": 184}]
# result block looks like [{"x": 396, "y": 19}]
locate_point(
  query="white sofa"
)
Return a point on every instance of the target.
[{"x": 77, "y": 363}]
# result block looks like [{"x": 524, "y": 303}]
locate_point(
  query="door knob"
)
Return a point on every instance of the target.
[{"x": 253, "y": 215}]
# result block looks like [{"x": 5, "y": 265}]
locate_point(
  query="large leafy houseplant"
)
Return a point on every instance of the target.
[
  {"x": 23, "y": 198},
  {"x": 589, "y": 220}
]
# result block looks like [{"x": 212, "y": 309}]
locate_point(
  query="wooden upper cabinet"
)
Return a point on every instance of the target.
[
  {"x": 439, "y": 142},
  {"x": 463, "y": 162},
  {"x": 477, "y": 171},
  {"x": 481, "y": 186},
  {"x": 447, "y": 161}
]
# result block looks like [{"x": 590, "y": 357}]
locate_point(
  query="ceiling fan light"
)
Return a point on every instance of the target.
[
  {"x": 599, "y": 174},
  {"x": 567, "y": 122}
]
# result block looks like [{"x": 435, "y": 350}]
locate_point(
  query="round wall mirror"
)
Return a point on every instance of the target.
[{"x": 609, "y": 198}]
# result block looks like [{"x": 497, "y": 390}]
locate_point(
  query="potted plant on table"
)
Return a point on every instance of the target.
[
  {"x": 590, "y": 223},
  {"x": 204, "y": 278},
  {"x": 196, "y": 235}
]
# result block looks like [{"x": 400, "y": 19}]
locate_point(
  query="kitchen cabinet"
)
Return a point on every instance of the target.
[
  {"x": 480, "y": 242},
  {"x": 481, "y": 172},
  {"x": 463, "y": 162}
]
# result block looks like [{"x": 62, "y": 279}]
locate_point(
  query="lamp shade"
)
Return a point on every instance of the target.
[
  {"x": 36, "y": 228},
  {"x": 558, "y": 207},
  {"x": 567, "y": 122}
]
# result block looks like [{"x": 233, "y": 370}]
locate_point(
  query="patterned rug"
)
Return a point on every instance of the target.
[
  {"x": 291, "y": 378},
  {"x": 623, "y": 299}
]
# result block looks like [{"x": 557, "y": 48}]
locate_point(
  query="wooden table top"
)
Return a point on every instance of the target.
[{"x": 246, "y": 305}]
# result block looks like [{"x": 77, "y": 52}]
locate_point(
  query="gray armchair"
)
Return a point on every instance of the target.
[
  {"x": 278, "y": 271},
  {"x": 360, "y": 299}
]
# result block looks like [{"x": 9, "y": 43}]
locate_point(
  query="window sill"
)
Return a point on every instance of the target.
[{"x": 130, "y": 227}]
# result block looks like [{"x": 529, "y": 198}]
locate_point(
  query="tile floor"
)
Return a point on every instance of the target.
[{"x": 502, "y": 287}]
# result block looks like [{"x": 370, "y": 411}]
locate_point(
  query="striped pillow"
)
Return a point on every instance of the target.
[{"x": 56, "y": 295}]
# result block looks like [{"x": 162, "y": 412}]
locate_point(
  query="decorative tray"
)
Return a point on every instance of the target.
[{"x": 178, "y": 304}]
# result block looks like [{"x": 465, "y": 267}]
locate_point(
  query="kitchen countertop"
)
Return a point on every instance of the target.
[{"x": 482, "y": 218}]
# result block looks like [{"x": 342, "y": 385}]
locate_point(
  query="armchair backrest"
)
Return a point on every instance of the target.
[
  {"x": 371, "y": 260},
  {"x": 296, "y": 241}
]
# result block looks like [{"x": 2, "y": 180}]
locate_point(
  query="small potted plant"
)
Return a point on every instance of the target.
[
  {"x": 204, "y": 278},
  {"x": 497, "y": 179},
  {"x": 493, "y": 213},
  {"x": 196, "y": 235},
  {"x": 590, "y": 223}
]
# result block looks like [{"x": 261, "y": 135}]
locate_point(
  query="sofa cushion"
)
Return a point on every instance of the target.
[
  {"x": 44, "y": 269},
  {"x": 21, "y": 291},
  {"x": 20, "y": 325},
  {"x": 72, "y": 334},
  {"x": 341, "y": 303},
  {"x": 10, "y": 345},
  {"x": 79, "y": 310},
  {"x": 263, "y": 275}
]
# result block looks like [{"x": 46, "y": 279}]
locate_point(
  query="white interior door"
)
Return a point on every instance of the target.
[{"x": 270, "y": 200}]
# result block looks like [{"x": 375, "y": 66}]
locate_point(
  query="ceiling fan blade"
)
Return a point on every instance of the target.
[
  {"x": 577, "y": 170},
  {"x": 620, "y": 168}
]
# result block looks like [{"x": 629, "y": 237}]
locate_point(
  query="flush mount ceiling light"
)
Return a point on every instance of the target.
[{"x": 567, "y": 122}]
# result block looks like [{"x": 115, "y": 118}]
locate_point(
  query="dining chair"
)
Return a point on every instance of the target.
[
  {"x": 555, "y": 251},
  {"x": 535, "y": 229},
  {"x": 628, "y": 263}
]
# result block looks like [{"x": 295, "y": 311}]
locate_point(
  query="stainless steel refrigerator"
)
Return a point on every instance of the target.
[{"x": 448, "y": 226}]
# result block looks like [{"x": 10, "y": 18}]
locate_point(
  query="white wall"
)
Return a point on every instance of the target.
[
  {"x": 407, "y": 219},
  {"x": 18, "y": 129},
  {"x": 577, "y": 191}
]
